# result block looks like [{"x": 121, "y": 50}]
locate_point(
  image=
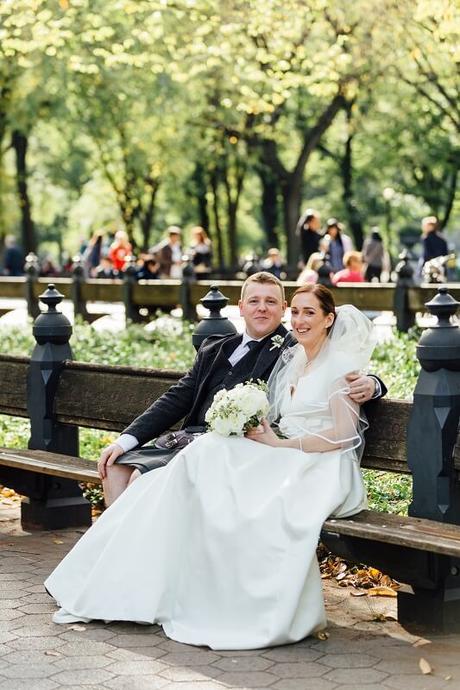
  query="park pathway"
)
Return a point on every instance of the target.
[{"x": 365, "y": 649}]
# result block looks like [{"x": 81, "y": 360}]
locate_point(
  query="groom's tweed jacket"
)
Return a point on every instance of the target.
[{"x": 190, "y": 398}]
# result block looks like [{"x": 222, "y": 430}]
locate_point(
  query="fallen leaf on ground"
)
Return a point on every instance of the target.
[
  {"x": 349, "y": 575},
  {"x": 447, "y": 677},
  {"x": 358, "y": 593},
  {"x": 51, "y": 652},
  {"x": 57, "y": 541},
  {"x": 424, "y": 666},
  {"x": 78, "y": 628},
  {"x": 382, "y": 592},
  {"x": 322, "y": 635}
]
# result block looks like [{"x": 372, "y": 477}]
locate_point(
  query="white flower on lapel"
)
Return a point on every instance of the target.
[{"x": 277, "y": 341}]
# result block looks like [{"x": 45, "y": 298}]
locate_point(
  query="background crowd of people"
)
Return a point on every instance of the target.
[{"x": 329, "y": 249}]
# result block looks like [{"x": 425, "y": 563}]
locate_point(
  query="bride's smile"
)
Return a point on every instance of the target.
[{"x": 310, "y": 323}]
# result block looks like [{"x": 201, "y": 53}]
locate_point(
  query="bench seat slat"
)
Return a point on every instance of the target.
[
  {"x": 416, "y": 533},
  {"x": 424, "y": 535},
  {"x": 54, "y": 464}
]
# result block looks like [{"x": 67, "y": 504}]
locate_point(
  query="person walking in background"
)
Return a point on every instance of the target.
[
  {"x": 168, "y": 253},
  {"x": 119, "y": 250},
  {"x": 92, "y": 254},
  {"x": 307, "y": 230},
  {"x": 13, "y": 258},
  {"x": 274, "y": 264},
  {"x": 373, "y": 255},
  {"x": 200, "y": 250},
  {"x": 353, "y": 271},
  {"x": 336, "y": 244},
  {"x": 433, "y": 242}
]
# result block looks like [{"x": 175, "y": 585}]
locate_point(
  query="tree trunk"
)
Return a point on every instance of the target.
[
  {"x": 269, "y": 206},
  {"x": 451, "y": 193},
  {"x": 291, "y": 181},
  {"x": 216, "y": 213},
  {"x": 292, "y": 196},
  {"x": 233, "y": 185},
  {"x": 199, "y": 180},
  {"x": 232, "y": 208},
  {"x": 148, "y": 214},
  {"x": 20, "y": 142},
  {"x": 346, "y": 168}
]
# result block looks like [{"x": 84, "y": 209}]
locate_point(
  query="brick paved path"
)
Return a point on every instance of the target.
[{"x": 361, "y": 653}]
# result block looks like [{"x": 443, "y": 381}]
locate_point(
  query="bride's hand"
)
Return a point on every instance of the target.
[{"x": 263, "y": 434}]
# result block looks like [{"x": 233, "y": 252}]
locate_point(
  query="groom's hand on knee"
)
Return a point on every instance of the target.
[{"x": 108, "y": 457}]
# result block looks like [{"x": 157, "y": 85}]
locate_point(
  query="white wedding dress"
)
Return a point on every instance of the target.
[{"x": 219, "y": 547}]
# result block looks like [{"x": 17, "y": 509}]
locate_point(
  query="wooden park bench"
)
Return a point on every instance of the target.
[{"x": 425, "y": 553}]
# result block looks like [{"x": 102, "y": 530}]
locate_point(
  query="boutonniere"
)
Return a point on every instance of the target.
[{"x": 277, "y": 341}]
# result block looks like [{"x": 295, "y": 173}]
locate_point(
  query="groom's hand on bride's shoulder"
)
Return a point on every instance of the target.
[
  {"x": 108, "y": 457},
  {"x": 362, "y": 388}
]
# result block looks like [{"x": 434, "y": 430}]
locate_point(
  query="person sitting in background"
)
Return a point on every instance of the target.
[
  {"x": 273, "y": 263},
  {"x": 433, "y": 242},
  {"x": 373, "y": 255},
  {"x": 251, "y": 265},
  {"x": 119, "y": 250},
  {"x": 168, "y": 253},
  {"x": 47, "y": 267},
  {"x": 13, "y": 258},
  {"x": 353, "y": 271},
  {"x": 200, "y": 250},
  {"x": 105, "y": 269},
  {"x": 148, "y": 269},
  {"x": 336, "y": 244},
  {"x": 310, "y": 272}
]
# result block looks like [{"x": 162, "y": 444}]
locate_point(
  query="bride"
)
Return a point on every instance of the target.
[{"x": 219, "y": 546}]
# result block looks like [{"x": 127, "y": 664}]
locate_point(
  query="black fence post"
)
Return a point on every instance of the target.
[
  {"x": 431, "y": 439},
  {"x": 188, "y": 277},
  {"x": 405, "y": 318},
  {"x": 78, "y": 278},
  {"x": 52, "y": 502},
  {"x": 215, "y": 323},
  {"x": 32, "y": 270},
  {"x": 129, "y": 281}
]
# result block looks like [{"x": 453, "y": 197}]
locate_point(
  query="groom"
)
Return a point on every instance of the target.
[{"x": 221, "y": 362}]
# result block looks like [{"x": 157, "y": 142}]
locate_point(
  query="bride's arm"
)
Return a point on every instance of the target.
[
  {"x": 309, "y": 444},
  {"x": 343, "y": 433}
]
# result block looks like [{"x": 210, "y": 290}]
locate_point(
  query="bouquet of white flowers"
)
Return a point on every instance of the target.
[{"x": 234, "y": 412}]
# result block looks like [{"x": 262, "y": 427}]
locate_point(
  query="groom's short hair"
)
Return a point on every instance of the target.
[{"x": 263, "y": 277}]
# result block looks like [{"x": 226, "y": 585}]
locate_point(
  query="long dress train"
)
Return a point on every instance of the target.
[{"x": 218, "y": 547}]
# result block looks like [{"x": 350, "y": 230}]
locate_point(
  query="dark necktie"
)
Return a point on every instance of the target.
[{"x": 251, "y": 344}]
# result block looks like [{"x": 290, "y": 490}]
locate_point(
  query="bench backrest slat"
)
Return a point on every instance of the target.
[{"x": 109, "y": 398}]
